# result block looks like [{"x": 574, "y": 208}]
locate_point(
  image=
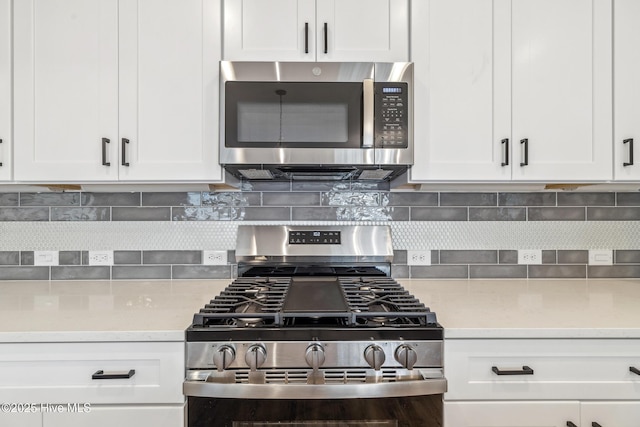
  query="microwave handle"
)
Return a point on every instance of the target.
[{"x": 368, "y": 111}]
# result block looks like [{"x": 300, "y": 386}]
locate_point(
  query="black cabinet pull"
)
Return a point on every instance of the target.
[
  {"x": 526, "y": 151},
  {"x": 326, "y": 38},
  {"x": 570, "y": 424},
  {"x": 595, "y": 424},
  {"x": 505, "y": 144},
  {"x": 100, "y": 375},
  {"x": 105, "y": 141},
  {"x": 630, "y": 142},
  {"x": 0, "y": 143},
  {"x": 306, "y": 37},
  {"x": 634, "y": 370},
  {"x": 524, "y": 371},
  {"x": 125, "y": 141}
]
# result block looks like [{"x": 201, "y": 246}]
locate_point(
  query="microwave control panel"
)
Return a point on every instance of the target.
[{"x": 391, "y": 115}]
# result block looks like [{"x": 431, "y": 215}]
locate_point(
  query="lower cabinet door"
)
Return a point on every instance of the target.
[
  {"x": 610, "y": 414},
  {"x": 117, "y": 416},
  {"x": 19, "y": 419},
  {"x": 511, "y": 414}
]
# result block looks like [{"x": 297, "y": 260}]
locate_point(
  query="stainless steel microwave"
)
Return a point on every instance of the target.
[{"x": 318, "y": 120}]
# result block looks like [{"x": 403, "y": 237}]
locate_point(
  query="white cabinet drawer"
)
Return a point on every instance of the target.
[
  {"x": 62, "y": 372},
  {"x": 562, "y": 369},
  {"x": 121, "y": 416}
]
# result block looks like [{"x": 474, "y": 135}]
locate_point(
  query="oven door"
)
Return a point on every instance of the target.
[{"x": 410, "y": 411}]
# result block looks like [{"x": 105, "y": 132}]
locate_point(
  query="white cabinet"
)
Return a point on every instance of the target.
[
  {"x": 626, "y": 89},
  {"x": 541, "y": 382},
  {"x": 5, "y": 90},
  {"x": 512, "y": 90},
  {"x": 316, "y": 30},
  {"x": 66, "y": 383},
  {"x": 20, "y": 419},
  {"x": 109, "y": 90}
]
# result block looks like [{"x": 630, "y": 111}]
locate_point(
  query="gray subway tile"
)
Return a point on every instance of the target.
[
  {"x": 400, "y": 271},
  {"x": 468, "y": 199},
  {"x": 231, "y": 199},
  {"x": 80, "y": 214},
  {"x": 127, "y": 257},
  {"x": 613, "y": 271},
  {"x": 371, "y": 213},
  {"x": 9, "y": 199},
  {"x": 24, "y": 273},
  {"x": 556, "y": 214},
  {"x": 413, "y": 199},
  {"x": 586, "y": 199},
  {"x": 557, "y": 271},
  {"x": 24, "y": 214},
  {"x": 171, "y": 199},
  {"x": 527, "y": 199},
  {"x": 140, "y": 214},
  {"x": 627, "y": 257},
  {"x": 497, "y": 271},
  {"x": 9, "y": 258},
  {"x": 573, "y": 257},
  {"x": 497, "y": 214},
  {"x": 50, "y": 199},
  {"x": 321, "y": 214},
  {"x": 291, "y": 199},
  {"x": 85, "y": 257},
  {"x": 172, "y": 257},
  {"x": 110, "y": 199},
  {"x": 549, "y": 257},
  {"x": 439, "y": 214},
  {"x": 120, "y": 272},
  {"x": 440, "y": 272},
  {"x": 27, "y": 258},
  {"x": 468, "y": 257},
  {"x": 350, "y": 198},
  {"x": 266, "y": 186},
  {"x": 399, "y": 256},
  {"x": 435, "y": 257},
  {"x": 208, "y": 213},
  {"x": 267, "y": 214},
  {"x": 370, "y": 186},
  {"x": 613, "y": 214},
  {"x": 70, "y": 258},
  {"x": 628, "y": 199},
  {"x": 320, "y": 186},
  {"x": 201, "y": 272},
  {"x": 507, "y": 257},
  {"x": 80, "y": 273}
]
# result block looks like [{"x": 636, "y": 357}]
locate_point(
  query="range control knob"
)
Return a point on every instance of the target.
[
  {"x": 223, "y": 356},
  {"x": 256, "y": 356},
  {"x": 406, "y": 356},
  {"x": 314, "y": 355},
  {"x": 374, "y": 355}
]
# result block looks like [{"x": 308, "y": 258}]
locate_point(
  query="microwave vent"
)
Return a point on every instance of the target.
[
  {"x": 256, "y": 173},
  {"x": 375, "y": 174}
]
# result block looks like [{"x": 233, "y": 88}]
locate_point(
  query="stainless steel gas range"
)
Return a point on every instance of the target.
[{"x": 314, "y": 332}]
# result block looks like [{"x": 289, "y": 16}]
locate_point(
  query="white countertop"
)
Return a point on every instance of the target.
[{"x": 42, "y": 311}]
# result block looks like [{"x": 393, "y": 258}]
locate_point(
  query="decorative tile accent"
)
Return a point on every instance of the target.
[
  {"x": 207, "y": 214},
  {"x": 346, "y": 198}
]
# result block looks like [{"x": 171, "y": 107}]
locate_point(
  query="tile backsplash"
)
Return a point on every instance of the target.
[{"x": 159, "y": 235}]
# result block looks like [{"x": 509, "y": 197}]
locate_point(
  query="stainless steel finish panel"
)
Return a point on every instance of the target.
[
  {"x": 364, "y": 242},
  {"x": 367, "y": 113},
  {"x": 337, "y": 354},
  {"x": 314, "y": 72},
  {"x": 429, "y": 384}
]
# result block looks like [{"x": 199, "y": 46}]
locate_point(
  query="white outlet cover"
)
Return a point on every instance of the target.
[
  {"x": 529, "y": 256},
  {"x": 600, "y": 257},
  {"x": 214, "y": 257},
  {"x": 418, "y": 257},
  {"x": 100, "y": 257},
  {"x": 46, "y": 258}
]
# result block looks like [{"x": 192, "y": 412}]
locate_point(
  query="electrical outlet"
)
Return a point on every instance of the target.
[
  {"x": 419, "y": 257},
  {"x": 100, "y": 257},
  {"x": 214, "y": 257},
  {"x": 600, "y": 257},
  {"x": 45, "y": 258},
  {"x": 529, "y": 256}
]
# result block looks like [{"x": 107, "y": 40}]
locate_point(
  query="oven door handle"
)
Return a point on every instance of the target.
[
  {"x": 315, "y": 391},
  {"x": 367, "y": 113}
]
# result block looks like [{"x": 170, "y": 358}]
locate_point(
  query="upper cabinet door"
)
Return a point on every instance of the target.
[
  {"x": 65, "y": 90},
  {"x": 316, "y": 30},
  {"x": 462, "y": 101},
  {"x": 169, "y": 56},
  {"x": 362, "y": 30},
  {"x": 5, "y": 90},
  {"x": 562, "y": 94},
  {"x": 269, "y": 30},
  {"x": 626, "y": 51}
]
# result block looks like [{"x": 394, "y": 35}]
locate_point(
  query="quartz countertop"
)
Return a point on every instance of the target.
[{"x": 49, "y": 311}]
